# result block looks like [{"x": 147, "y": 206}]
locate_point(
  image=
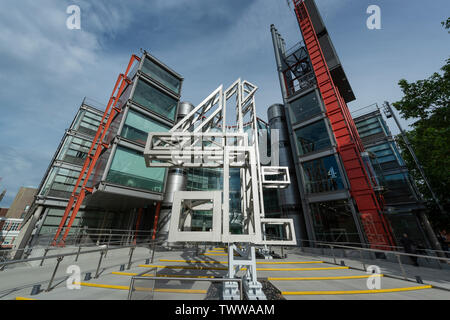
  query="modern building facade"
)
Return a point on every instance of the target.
[
  {"x": 339, "y": 192},
  {"x": 125, "y": 192},
  {"x": 337, "y": 188},
  {"x": 403, "y": 204}
]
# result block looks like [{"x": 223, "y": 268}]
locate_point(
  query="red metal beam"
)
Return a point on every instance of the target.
[{"x": 155, "y": 222}]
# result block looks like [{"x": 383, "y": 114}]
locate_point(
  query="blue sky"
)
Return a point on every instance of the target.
[{"x": 47, "y": 69}]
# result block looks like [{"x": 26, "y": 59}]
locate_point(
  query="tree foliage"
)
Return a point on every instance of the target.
[{"x": 428, "y": 103}]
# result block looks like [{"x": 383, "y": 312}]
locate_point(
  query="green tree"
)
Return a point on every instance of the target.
[{"x": 428, "y": 103}]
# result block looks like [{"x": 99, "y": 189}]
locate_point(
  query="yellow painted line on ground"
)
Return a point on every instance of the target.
[
  {"x": 159, "y": 275},
  {"x": 301, "y": 269},
  {"x": 108, "y": 286},
  {"x": 324, "y": 278},
  {"x": 181, "y": 267},
  {"x": 260, "y": 269},
  {"x": 132, "y": 274},
  {"x": 98, "y": 285},
  {"x": 24, "y": 298},
  {"x": 214, "y": 254},
  {"x": 226, "y": 262},
  {"x": 354, "y": 291},
  {"x": 193, "y": 261}
]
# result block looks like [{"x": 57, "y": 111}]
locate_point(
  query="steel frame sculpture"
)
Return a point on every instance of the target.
[{"x": 203, "y": 139}]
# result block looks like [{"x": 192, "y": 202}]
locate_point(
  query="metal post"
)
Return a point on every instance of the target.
[
  {"x": 43, "y": 258},
  {"x": 241, "y": 291},
  {"x": 131, "y": 256},
  {"x": 363, "y": 263},
  {"x": 110, "y": 236},
  {"x": 332, "y": 252},
  {"x": 99, "y": 263},
  {"x": 130, "y": 291},
  {"x": 78, "y": 253},
  {"x": 153, "y": 251},
  {"x": 58, "y": 261},
  {"x": 401, "y": 266}
]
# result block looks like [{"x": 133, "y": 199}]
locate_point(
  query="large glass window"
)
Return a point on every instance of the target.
[
  {"x": 87, "y": 122},
  {"x": 398, "y": 189},
  {"x": 312, "y": 138},
  {"x": 387, "y": 156},
  {"x": 370, "y": 126},
  {"x": 60, "y": 182},
  {"x": 322, "y": 175},
  {"x": 161, "y": 75},
  {"x": 383, "y": 152},
  {"x": 201, "y": 179},
  {"x": 74, "y": 150},
  {"x": 137, "y": 127},
  {"x": 128, "y": 169},
  {"x": 304, "y": 107},
  {"x": 154, "y": 100},
  {"x": 333, "y": 222}
]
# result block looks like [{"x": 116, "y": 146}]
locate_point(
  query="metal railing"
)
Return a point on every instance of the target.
[
  {"x": 83, "y": 238},
  {"x": 363, "y": 255},
  {"x": 103, "y": 252},
  {"x": 154, "y": 278},
  {"x": 96, "y": 235}
]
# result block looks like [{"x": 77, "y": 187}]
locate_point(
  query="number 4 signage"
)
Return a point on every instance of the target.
[{"x": 331, "y": 173}]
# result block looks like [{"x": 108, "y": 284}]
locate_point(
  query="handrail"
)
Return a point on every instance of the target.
[
  {"x": 336, "y": 244},
  {"x": 384, "y": 251},
  {"x": 45, "y": 257}
]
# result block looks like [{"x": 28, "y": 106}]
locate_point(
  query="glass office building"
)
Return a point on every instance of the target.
[
  {"x": 125, "y": 192},
  {"x": 327, "y": 212},
  {"x": 402, "y": 200}
]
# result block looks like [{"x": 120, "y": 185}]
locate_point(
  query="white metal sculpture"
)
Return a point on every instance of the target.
[{"x": 203, "y": 139}]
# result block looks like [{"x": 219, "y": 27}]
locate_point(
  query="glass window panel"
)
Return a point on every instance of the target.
[
  {"x": 370, "y": 132},
  {"x": 154, "y": 100},
  {"x": 365, "y": 122},
  {"x": 370, "y": 126},
  {"x": 304, "y": 107},
  {"x": 386, "y": 159},
  {"x": 333, "y": 222},
  {"x": 128, "y": 169},
  {"x": 322, "y": 175},
  {"x": 312, "y": 138},
  {"x": 91, "y": 121},
  {"x": 94, "y": 116},
  {"x": 138, "y": 126},
  {"x": 383, "y": 146},
  {"x": 161, "y": 75},
  {"x": 397, "y": 154}
]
